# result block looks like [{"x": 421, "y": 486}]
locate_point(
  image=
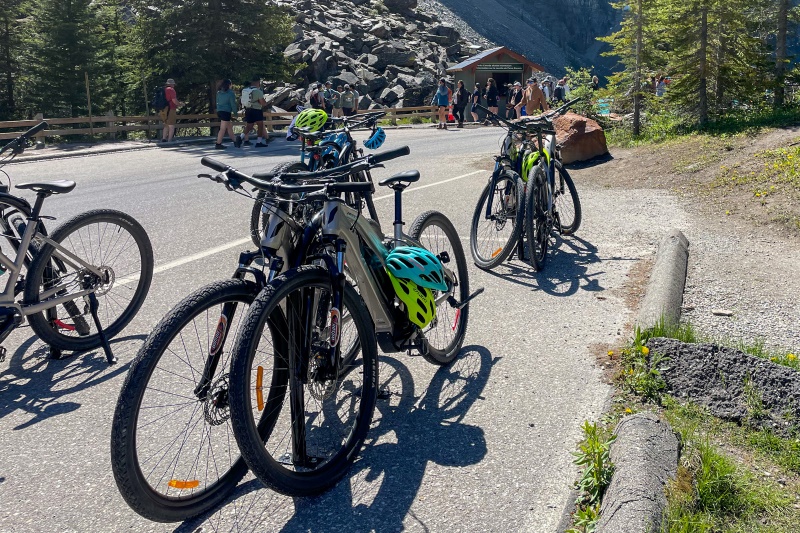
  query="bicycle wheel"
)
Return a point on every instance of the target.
[
  {"x": 258, "y": 221},
  {"x": 536, "y": 230},
  {"x": 445, "y": 335},
  {"x": 566, "y": 202},
  {"x": 115, "y": 244},
  {"x": 173, "y": 453},
  {"x": 492, "y": 240},
  {"x": 306, "y": 445}
]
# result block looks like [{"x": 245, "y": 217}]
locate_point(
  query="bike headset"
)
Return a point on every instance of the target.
[{"x": 418, "y": 265}]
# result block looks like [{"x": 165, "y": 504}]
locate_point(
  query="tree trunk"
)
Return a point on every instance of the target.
[
  {"x": 7, "y": 61},
  {"x": 637, "y": 75},
  {"x": 703, "y": 66},
  {"x": 780, "y": 53},
  {"x": 721, "y": 78}
]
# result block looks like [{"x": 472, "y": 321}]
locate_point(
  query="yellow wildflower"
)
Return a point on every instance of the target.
[
  {"x": 610, "y": 353},
  {"x": 645, "y": 350},
  {"x": 791, "y": 357},
  {"x": 628, "y": 410}
]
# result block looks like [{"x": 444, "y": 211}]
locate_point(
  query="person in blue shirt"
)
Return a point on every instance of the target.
[
  {"x": 226, "y": 109},
  {"x": 441, "y": 99}
]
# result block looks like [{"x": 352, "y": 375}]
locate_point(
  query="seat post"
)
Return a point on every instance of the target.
[
  {"x": 37, "y": 205},
  {"x": 398, "y": 211}
]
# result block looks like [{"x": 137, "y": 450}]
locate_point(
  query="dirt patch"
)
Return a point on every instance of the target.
[{"x": 734, "y": 386}]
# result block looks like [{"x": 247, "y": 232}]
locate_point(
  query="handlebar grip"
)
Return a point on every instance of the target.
[
  {"x": 34, "y": 130},
  {"x": 213, "y": 163},
  {"x": 390, "y": 154}
]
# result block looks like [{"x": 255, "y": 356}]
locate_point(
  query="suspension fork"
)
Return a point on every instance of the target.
[{"x": 492, "y": 185}]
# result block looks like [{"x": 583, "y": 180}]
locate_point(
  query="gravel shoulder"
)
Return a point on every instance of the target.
[{"x": 740, "y": 259}]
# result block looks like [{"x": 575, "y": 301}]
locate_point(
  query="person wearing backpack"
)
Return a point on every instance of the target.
[
  {"x": 254, "y": 104},
  {"x": 348, "y": 101},
  {"x": 167, "y": 106},
  {"x": 226, "y": 110},
  {"x": 329, "y": 95}
]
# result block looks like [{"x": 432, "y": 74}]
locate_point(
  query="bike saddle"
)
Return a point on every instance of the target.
[
  {"x": 409, "y": 176},
  {"x": 49, "y": 187}
]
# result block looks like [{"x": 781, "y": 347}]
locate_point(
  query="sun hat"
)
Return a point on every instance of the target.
[
  {"x": 170, "y": 81},
  {"x": 517, "y": 84}
]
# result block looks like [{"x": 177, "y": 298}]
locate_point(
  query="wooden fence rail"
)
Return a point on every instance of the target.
[{"x": 110, "y": 124}]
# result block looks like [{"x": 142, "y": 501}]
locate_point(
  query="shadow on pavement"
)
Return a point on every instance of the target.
[
  {"x": 408, "y": 431},
  {"x": 36, "y": 384},
  {"x": 567, "y": 266}
]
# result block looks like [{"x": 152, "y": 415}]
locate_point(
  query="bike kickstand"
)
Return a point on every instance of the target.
[{"x": 93, "y": 306}]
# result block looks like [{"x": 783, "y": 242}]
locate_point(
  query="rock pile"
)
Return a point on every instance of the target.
[{"x": 388, "y": 50}]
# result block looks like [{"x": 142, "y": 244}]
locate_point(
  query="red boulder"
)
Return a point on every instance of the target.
[{"x": 581, "y": 138}]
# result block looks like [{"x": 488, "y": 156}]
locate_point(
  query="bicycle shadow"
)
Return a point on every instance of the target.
[
  {"x": 408, "y": 432},
  {"x": 565, "y": 272},
  {"x": 36, "y": 384}
]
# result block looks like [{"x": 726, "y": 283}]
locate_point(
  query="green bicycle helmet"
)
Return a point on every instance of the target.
[
  {"x": 311, "y": 119},
  {"x": 419, "y": 302},
  {"x": 417, "y": 264}
]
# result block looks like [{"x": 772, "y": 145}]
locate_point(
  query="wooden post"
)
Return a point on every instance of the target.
[
  {"x": 89, "y": 102},
  {"x": 146, "y": 105},
  {"x": 38, "y": 118},
  {"x": 111, "y": 124}
]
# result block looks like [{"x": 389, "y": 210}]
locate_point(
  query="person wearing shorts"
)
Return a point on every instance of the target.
[
  {"x": 169, "y": 113},
  {"x": 254, "y": 115},
  {"x": 491, "y": 97},
  {"x": 349, "y": 100},
  {"x": 226, "y": 107}
]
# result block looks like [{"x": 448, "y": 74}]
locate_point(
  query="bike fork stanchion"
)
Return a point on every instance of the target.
[{"x": 94, "y": 305}]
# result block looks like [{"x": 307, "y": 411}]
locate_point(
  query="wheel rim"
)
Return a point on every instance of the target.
[
  {"x": 492, "y": 235},
  {"x": 331, "y": 395},
  {"x": 184, "y": 440}
]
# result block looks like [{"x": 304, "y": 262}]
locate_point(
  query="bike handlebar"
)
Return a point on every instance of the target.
[{"x": 20, "y": 141}]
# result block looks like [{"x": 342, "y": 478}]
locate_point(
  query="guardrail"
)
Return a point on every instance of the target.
[{"x": 110, "y": 124}]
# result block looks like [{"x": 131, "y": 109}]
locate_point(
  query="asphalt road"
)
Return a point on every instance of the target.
[{"x": 482, "y": 445}]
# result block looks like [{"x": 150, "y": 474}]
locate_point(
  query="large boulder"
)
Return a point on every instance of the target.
[
  {"x": 345, "y": 78},
  {"x": 322, "y": 64},
  {"x": 394, "y": 54},
  {"x": 400, "y": 6},
  {"x": 279, "y": 96},
  {"x": 581, "y": 138}
]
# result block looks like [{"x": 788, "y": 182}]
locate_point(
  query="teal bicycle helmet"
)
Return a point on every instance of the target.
[
  {"x": 417, "y": 264},
  {"x": 376, "y": 140}
]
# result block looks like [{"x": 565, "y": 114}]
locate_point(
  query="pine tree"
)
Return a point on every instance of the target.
[
  {"x": 11, "y": 11},
  {"x": 62, "y": 43},
  {"x": 198, "y": 42}
]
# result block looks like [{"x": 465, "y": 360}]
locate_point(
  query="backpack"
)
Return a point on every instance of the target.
[
  {"x": 247, "y": 97},
  {"x": 159, "y": 99},
  {"x": 558, "y": 93}
]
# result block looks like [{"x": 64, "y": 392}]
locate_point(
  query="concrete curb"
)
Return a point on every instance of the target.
[
  {"x": 664, "y": 295},
  {"x": 645, "y": 457}
]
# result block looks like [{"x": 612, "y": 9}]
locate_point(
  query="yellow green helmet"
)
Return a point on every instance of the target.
[
  {"x": 311, "y": 119},
  {"x": 419, "y": 302}
]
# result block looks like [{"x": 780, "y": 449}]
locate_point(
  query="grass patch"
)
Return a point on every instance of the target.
[
  {"x": 717, "y": 491},
  {"x": 780, "y": 168},
  {"x": 596, "y": 471}
]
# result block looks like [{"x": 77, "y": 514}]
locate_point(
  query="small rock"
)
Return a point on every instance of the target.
[{"x": 722, "y": 312}]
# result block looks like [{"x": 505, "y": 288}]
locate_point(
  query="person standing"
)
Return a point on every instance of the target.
[
  {"x": 337, "y": 102},
  {"x": 226, "y": 109},
  {"x": 661, "y": 86},
  {"x": 595, "y": 83},
  {"x": 559, "y": 94},
  {"x": 460, "y": 101},
  {"x": 442, "y": 102},
  {"x": 514, "y": 98},
  {"x": 533, "y": 99},
  {"x": 546, "y": 90},
  {"x": 254, "y": 104},
  {"x": 349, "y": 101},
  {"x": 475, "y": 100},
  {"x": 329, "y": 95},
  {"x": 491, "y": 97},
  {"x": 169, "y": 113},
  {"x": 315, "y": 98}
]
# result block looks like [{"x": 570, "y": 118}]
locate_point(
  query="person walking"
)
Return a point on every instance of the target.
[
  {"x": 337, "y": 102},
  {"x": 254, "y": 104},
  {"x": 460, "y": 101},
  {"x": 533, "y": 99},
  {"x": 329, "y": 95},
  {"x": 226, "y": 109},
  {"x": 491, "y": 97},
  {"x": 169, "y": 113},
  {"x": 475, "y": 100},
  {"x": 442, "y": 102},
  {"x": 349, "y": 101},
  {"x": 661, "y": 86}
]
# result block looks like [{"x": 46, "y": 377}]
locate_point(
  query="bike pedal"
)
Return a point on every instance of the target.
[{"x": 453, "y": 303}]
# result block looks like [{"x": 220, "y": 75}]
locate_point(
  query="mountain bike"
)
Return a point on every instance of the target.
[
  {"x": 497, "y": 228},
  {"x": 290, "y": 347},
  {"x": 98, "y": 264},
  {"x": 318, "y": 150},
  {"x": 172, "y": 450}
]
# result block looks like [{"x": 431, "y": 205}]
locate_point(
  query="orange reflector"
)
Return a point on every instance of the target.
[
  {"x": 497, "y": 252},
  {"x": 178, "y": 484},
  {"x": 259, "y": 388}
]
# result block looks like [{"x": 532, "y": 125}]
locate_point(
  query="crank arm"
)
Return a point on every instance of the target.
[{"x": 452, "y": 301}]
